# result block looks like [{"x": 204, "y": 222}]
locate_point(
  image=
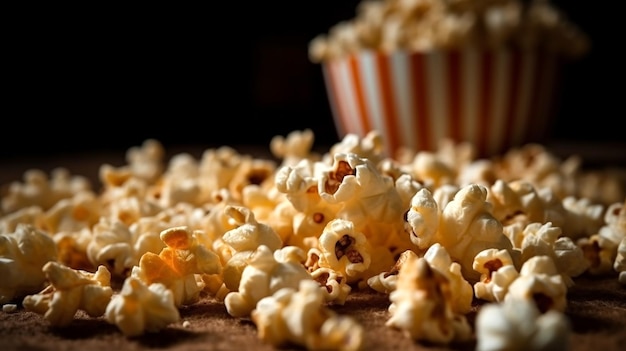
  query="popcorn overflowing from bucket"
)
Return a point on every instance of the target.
[{"x": 426, "y": 70}]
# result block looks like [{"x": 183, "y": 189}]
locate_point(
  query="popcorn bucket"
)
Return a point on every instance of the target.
[{"x": 493, "y": 99}]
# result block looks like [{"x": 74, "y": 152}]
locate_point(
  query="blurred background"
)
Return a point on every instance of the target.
[{"x": 224, "y": 74}]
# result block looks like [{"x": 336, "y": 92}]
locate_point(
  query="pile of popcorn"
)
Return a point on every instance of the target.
[
  {"x": 427, "y": 25},
  {"x": 281, "y": 240}
]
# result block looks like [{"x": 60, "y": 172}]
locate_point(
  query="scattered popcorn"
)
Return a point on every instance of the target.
[
  {"x": 620, "y": 261},
  {"x": 276, "y": 244},
  {"x": 23, "y": 254},
  {"x": 344, "y": 250},
  {"x": 69, "y": 291},
  {"x": 141, "y": 308},
  {"x": 517, "y": 324},
  {"x": 297, "y": 316},
  {"x": 421, "y": 305}
]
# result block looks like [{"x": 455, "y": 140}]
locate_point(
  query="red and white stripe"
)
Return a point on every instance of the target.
[{"x": 495, "y": 100}]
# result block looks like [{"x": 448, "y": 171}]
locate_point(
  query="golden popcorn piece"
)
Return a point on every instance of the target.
[
  {"x": 141, "y": 308},
  {"x": 466, "y": 227},
  {"x": 517, "y": 324},
  {"x": 266, "y": 272},
  {"x": 344, "y": 250},
  {"x": 70, "y": 290},
  {"x": 112, "y": 246},
  {"x": 179, "y": 266},
  {"x": 248, "y": 233},
  {"x": 333, "y": 284},
  {"x": 614, "y": 228},
  {"x": 422, "y": 219},
  {"x": 298, "y": 316},
  {"x": 386, "y": 281},
  {"x": 461, "y": 290},
  {"x": 620, "y": 261},
  {"x": 540, "y": 281},
  {"x": 599, "y": 253},
  {"x": 23, "y": 254},
  {"x": 421, "y": 305},
  {"x": 293, "y": 148},
  {"x": 545, "y": 239},
  {"x": 497, "y": 272}
]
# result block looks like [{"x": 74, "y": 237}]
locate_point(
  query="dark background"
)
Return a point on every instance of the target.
[{"x": 107, "y": 78}]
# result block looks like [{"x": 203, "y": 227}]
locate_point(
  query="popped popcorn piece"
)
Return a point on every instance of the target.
[
  {"x": 293, "y": 148},
  {"x": 370, "y": 147},
  {"x": 517, "y": 324},
  {"x": 23, "y": 254},
  {"x": 540, "y": 281},
  {"x": 599, "y": 252},
  {"x": 28, "y": 215},
  {"x": 583, "y": 217},
  {"x": 545, "y": 239},
  {"x": 461, "y": 290},
  {"x": 422, "y": 219},
  {"x": 179, "y": 266},
  {"x": 249, "y": 233},
  {"x": 9, "y": 308},
  {"x": 620, "y": 261},
  {"x": 497, "y": 272},
  {"x": 141, "y": 308},
  {"x": 69, "y": 291},
  {"x": 266, "y": 272},
  {"x": 466, "y": 227},
  {"x": 80, "y": 211},
  {"x": 368, "y": 198},
  {"x": 112, "y": 246},
  {"x": 386, "y": 281},
  {"x": 421, "y": 305},
  {"x": 297, "y": 316},
  {"x": 614, "y": 228},
  {"x": 345, "y": 250}
]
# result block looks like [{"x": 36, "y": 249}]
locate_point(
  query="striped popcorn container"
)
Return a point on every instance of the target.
[{"x": 493, "y": 99}]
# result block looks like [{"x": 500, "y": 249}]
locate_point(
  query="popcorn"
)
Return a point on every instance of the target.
[
  {"x": 599, "y": 252},
  {"x": 540, "y": 281},
  {"x": 461, "y": 293},
  {"x": 23, "y": 254},
  {"x": 421, "y": 305},
  {"x": 386, "y": 282},
  {"x": 38, "y": 190},
  {"x": 293, "y": 148},
  {"x": 344, "y": 250},
  {"x": 69, "y": 291},
  {"x": 466, "y": 227},
  {"x": 141, "y": 308},
  {"x": 179, "y": 266},
  {"x": 620, "y": 261},
  {"x": 335, "y": 286},
  {"x": 422, "y": 219},
  {"x": 497, "y": 272},
  {"x": 517, "y": 324},
  {"x": 546, "y": 240},
  {"x": 297, "y": 316},
  {"x": 112, "y": 246},
  {"x": 430, "y": 25},
  {"x": 266, "y": 272}
]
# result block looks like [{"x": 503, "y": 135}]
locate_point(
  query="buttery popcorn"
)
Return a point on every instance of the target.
[
  {"x": 179, "y": 266},
  {"x": 350, "y": 219},
  {"x": 421, "y": 305},
  {"x": 23, "y": 254},
  {"x": 139, "y": 308},
  {"x": 298, "y": 316},
  {"x": 68, "y": 291},
  {"x": 517, "y": 324},
  {"x": 620, "y": 261},
  {"x": 390, "y": 25},
  {"x": 265, "y": 273}
]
